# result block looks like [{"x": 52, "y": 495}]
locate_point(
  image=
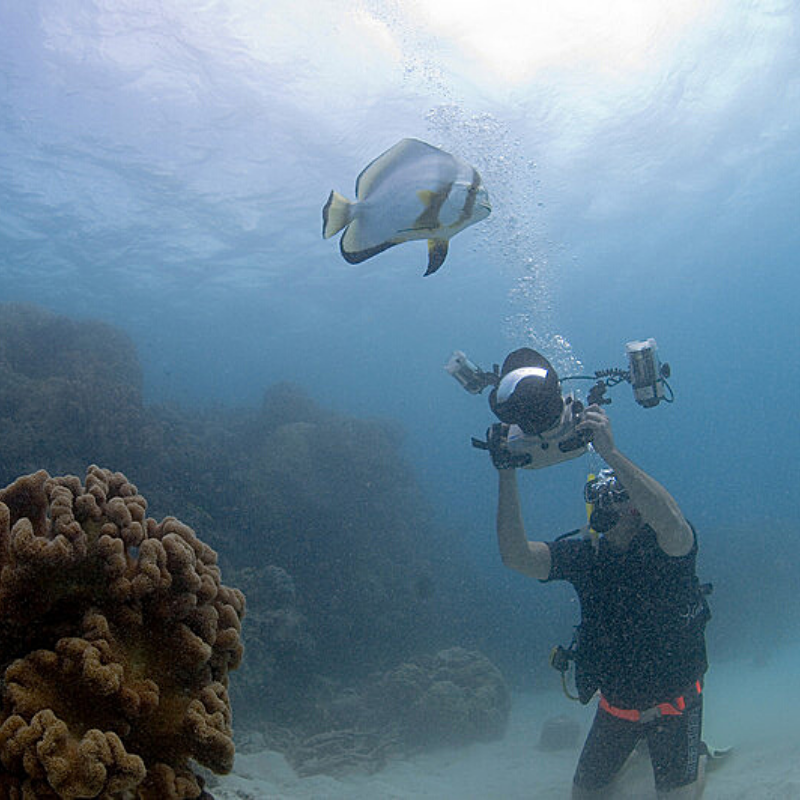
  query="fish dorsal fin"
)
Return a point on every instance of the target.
[{"x": 372, "y": 174}]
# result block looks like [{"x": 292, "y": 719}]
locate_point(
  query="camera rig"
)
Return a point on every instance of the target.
[
  {"x": 560, "y": 441},
  {"x": 646, "y": 374}
]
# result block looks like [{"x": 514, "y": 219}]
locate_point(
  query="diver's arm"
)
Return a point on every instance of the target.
[
  {"x": 654, "y": 503},
  {"x": 529, "y": 558}
]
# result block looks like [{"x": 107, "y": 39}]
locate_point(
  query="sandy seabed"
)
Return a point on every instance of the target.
[{"x": 752, "y": 709}]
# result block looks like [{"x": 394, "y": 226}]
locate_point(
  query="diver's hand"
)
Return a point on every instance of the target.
[
  {"x": 596, "y": 425},
  {"x": 497, "y": 445}
]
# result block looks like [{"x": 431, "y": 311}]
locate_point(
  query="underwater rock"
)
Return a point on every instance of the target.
[{"x": 118, "y": 636}]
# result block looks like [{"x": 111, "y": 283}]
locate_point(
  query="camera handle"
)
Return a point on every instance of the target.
[{"x": 596, "y": 396}]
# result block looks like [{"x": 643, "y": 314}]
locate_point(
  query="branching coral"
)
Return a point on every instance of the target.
[{"x": 116, "y": 639}]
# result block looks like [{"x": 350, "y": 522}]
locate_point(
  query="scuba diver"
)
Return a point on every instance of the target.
[{"x": 641, "y": 641}]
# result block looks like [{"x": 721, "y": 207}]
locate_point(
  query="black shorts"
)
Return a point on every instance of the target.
[{"x": 673, "y": 742}]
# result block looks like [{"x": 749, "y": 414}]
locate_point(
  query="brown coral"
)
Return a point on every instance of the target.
[{"x": 116, "y": 638}]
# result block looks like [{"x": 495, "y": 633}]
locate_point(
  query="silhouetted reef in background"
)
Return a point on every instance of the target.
[{"x": 316, "y": 516}]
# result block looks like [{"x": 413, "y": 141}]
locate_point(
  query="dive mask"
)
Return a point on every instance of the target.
[
  {"x": 605, "y": 490},
  {"x": 602, "y": 494}
]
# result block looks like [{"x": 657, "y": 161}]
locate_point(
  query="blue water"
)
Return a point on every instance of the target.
[{"x": 163, "y": 166}]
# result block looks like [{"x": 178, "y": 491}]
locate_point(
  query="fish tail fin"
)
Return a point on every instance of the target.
[{"x": 336, "y": 214}]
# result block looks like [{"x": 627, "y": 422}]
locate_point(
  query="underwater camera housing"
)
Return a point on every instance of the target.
[{"x": 540, "y": 421}]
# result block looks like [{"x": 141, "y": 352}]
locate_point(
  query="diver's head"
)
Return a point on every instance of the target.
[
  {"x": 528, "y": 393},
  {"x": 609, "y": 500}
]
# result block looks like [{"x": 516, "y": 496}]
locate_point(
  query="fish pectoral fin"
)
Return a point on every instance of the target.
[
  {"x": 337, "y": 213},
  {"x": 426, "y": 197},
  {"x": 437, "y": 253}
]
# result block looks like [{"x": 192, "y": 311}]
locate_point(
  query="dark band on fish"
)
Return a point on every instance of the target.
[{"x": 472, "y": 196}]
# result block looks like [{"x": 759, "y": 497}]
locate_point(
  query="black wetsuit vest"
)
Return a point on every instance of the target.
[{"x": 641, "y": 639}]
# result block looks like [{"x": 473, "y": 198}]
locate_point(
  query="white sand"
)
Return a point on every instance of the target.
[{"x": 752, "y": 709}]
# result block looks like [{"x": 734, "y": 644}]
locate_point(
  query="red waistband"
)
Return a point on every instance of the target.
[{"x": 672, "y": 709}]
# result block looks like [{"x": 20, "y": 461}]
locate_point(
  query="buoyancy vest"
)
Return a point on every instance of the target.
[{"x": 643, "y": 614}]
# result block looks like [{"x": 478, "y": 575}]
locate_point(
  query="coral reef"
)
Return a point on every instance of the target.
[
  {"x": 335, "y": 505},
  {"x": 273, "y": 680},
  {"x": 454, "y": 697},
  {"x": 289, "y": 494},
  {"x": 116, "y": 640},
  {"x": 70, "y": 392},
  {"x": 343, "y": 751},
  {"x": 331, "y": 499}
]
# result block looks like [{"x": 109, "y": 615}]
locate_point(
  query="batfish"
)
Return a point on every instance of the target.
[{"x": 413, "y": 191}]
